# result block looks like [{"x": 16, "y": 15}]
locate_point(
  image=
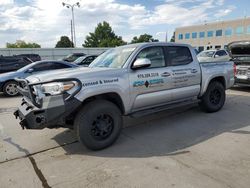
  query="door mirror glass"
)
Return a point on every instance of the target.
[
  {"x": 30, "y": 70},
  {"x": 141, "y": 63}
]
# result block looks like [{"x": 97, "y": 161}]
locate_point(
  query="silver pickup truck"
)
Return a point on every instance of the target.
[{"x": 132, "y": 80}]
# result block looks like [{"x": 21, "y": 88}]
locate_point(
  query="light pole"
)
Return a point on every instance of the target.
[{"x": 73, "y": 19}]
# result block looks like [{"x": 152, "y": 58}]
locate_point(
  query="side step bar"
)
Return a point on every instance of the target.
[{"x": 162, "y": 108}]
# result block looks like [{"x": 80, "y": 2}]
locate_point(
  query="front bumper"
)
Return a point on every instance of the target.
[{"x": 55, "y": 111}]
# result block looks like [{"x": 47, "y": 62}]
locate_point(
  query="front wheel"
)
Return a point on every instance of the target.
[
  {"x": 214, "y": 98},
  {"x": 10, "y": 89},
  {"x": 98, "y": 124}
]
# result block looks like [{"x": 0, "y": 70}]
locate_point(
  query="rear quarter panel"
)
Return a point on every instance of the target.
[{"x": 212, "y": 70}]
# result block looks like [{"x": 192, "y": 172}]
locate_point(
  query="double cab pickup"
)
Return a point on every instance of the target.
[{"x": 132, "y": 80}]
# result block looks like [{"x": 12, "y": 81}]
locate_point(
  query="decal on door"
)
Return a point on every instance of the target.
[
  {"x": 149, "y": 83},
  {"x": 182, "y": 81},
  {"x": 148, "y": 75},
  {"x": 100, "y": 82}
]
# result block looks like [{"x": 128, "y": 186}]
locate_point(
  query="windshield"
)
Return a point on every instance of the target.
[
  {"x": 113, "y": 58},
  {"x": 206, "y": 54},
  {"x": 79, "y": 60}
]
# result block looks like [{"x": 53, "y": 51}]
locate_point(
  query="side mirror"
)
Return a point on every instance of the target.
[
  {"x": 30, "y": 70},
  {"x": 216, "y": 56},
  {"x": 141, "y": 63}
]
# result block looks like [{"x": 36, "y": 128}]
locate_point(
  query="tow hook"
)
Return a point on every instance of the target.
[
  {"x": 23, "y": 124},
  {"x": 16, "y": 114}
]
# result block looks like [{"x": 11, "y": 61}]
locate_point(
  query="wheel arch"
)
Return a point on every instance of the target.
[
  {"x": 111, "y": 96},
  {"x": 5, "y": 82},
  {"x": 220, "y": 79}
]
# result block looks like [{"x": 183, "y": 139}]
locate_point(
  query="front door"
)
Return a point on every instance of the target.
[{"x": 151, "y": 86}]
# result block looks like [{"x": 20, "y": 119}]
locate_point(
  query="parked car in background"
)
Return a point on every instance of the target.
[
  {"x": 13, "y": 63},
  {"x": 85, "y": 60},
  {"x": 8, "y": 85},
  {"x": 240, "y": 52},
  {"x": 73, "y": 57},
  {"x": 213, "y": 55},
  {"x": 33, "y": 57}
]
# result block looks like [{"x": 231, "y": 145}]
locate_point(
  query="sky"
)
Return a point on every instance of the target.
[{"x": 44, "y": 21}]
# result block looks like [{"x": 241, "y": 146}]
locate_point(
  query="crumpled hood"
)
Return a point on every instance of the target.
[{"x": 66, "y": 73}]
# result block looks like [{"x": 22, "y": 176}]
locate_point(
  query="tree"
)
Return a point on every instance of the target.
[
  {"x": 144, "y": 38},
  {"x": 64, "y": 42},
  {"x": 103, "y": 36},
  {"x": 173, "y": 38},
  {"x": 22, "y": 44}
]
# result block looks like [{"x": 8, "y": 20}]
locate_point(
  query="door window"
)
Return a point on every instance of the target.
[
  {"x": 155, "y": 55},
  {"x": 178, "y": 55},
  {"x": 49, "y": 66},
  {"x": 41, "y": 67},
  {"x": 221, "y": 53}
]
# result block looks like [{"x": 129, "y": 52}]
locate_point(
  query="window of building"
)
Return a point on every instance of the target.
[
  {"x": 210, "y": 34},
  {"x": 219, "y": 33},
  {"x": 202, "y": 34},
  {"x": 239, "y": 30},
  {"x": 217, "y": 47},
  {"x": 194, "y": 35},
  {"x": 248, "y": 29},
  {"x": 180, "y": 36},
  {"x": 187, "y": 36},
  {"x": 229, "y": 32}
]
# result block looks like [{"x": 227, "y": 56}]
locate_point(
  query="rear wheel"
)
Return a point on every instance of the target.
[
  {"x": 214, "y": 98},
  {"x": 98, "y": 124},
  {"x": 10, "y": 89}
]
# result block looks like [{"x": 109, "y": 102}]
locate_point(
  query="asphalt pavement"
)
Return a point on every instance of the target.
[{"x": 176, "y": 148}]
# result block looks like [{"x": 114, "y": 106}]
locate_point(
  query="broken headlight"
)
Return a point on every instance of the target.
[{"x": 56, "y": 88}]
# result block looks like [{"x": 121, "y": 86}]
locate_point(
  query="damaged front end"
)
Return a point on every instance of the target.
[{"x": 47, "y": 104}]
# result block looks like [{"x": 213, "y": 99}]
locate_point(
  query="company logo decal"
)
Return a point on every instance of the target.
[{"x": 149, "y": 83}]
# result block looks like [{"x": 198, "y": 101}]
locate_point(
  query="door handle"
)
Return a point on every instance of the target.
[
  {"x": 165, "y": 74},
  {"x": 194, "y": 71}
]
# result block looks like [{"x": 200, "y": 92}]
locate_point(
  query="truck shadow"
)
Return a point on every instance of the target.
[
  {"x": 244, "y": 89},
  {"x": 172, "y": 132}
]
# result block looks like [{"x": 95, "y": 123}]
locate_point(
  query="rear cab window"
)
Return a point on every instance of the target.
[{"x": 178, "y": 55}]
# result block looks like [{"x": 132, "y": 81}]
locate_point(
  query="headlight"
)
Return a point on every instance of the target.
[{"x": 56, "y": 88}]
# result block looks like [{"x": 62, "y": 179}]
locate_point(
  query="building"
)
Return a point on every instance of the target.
[{"x": 214, "y": 35}]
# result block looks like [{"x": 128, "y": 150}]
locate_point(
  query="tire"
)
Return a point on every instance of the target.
[
  {"x": 98, "y": 124},
  {"x": 10, "y": 89},
  {"x": 214, "y": 98}
]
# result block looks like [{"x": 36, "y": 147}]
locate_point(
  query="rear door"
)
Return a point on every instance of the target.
[
  {"x": 186, "y": 73},
  {"x": 151, "y": 86}
]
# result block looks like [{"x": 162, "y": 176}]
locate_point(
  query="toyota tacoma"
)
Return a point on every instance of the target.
[{"x": 132, "y": 80}]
